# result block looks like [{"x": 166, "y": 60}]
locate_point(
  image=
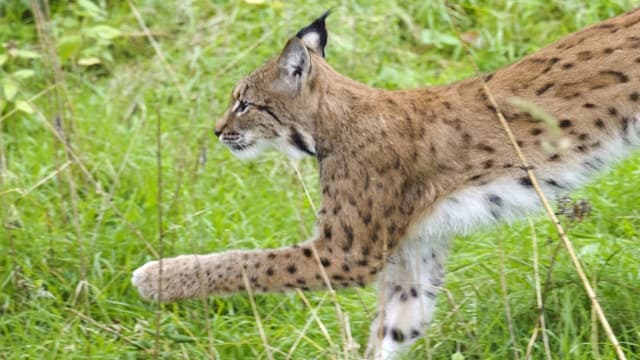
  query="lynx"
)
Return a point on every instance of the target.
[{"x": 402, "y": 172}]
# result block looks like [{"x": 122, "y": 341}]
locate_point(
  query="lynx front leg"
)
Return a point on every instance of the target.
[
  {"x": 407, "y": 294},
  {"x": 337, "y": 255},
  {"x": 190, "y": 276}
]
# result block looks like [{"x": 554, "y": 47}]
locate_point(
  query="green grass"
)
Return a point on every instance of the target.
[{"x": 66, "y": 228}]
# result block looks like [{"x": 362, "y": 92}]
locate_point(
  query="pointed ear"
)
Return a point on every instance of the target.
[
  {"x": 314, "y": 36},
  {"x": 294, "y": 63}
]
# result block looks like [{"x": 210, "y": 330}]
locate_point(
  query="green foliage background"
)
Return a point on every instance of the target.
[{"x": 76, "y": 223}]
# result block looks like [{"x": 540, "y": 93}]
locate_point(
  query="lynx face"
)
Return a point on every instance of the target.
[{"x": 275, "y": 105}]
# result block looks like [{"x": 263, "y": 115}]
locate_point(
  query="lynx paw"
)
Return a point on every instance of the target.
[{"x": 179, "y": 279}]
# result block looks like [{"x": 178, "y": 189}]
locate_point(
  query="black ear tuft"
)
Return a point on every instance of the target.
[{"x": 314, "y": 36}]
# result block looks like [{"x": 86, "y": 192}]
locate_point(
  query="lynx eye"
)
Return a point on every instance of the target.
[{"x": 242, "y": 106}]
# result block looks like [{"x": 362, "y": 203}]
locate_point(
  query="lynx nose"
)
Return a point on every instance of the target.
[
  {"x": 219, "y": 126},
  {"x": 218, "y": 129}
]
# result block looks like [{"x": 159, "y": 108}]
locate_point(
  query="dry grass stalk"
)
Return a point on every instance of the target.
[
  {"x": 306, "y": 326},
  {"x": 507, "y": 307},
  {"x": 4, "y": 212},
  {"x": 156, "y": 48},
  {"x": 47, "y": 42},
  {"x": 595, "y": 349},
  {"x": 160, "y": 229},
  {"x": 532, "y": 340},
  {"x": 116, "y": 333},
  {"x": 314, "y": 316},
  {"x": 263, "y": 335},
  {"x": 29, "y": 101},
  {"x": 540, "y": 325}
]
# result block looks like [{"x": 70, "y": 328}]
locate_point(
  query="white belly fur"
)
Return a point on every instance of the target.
[{"x": 467, "y": 209}]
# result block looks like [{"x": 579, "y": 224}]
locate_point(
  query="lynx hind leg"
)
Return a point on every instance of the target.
[{"x": 407, "y": 296}]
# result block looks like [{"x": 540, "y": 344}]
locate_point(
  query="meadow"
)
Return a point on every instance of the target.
[{"x": 98, "y": 97}]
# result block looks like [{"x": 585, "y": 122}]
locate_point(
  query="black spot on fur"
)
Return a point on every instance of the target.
[
  {"x": 599, "y": 123},
  {"x": 590, "y": 165},
  {"x": 366, "y": 218},
  {"x": 325, "y": 262},
  {"x": 565, "y": 123},
  {"x": 270, "y": 271},
  {"x": 397, "y": 335},
  {"x": 588, "y": 106},
  {"x": 307, "y": 252},
  {"x": 554, "y": 183},
  {"x": 612, "y": 111},
  {"x": 621, "y": 77},
  {"x": 585, "y": 55},
  {"x": 495, "y": 199},
  {"x": 525, "y": 181},
  {"x": 544, "y": 88},
  {"x": 536, "y": 131},
  {"x": 625, "y": 126},
  {"x": 415, "y": 333},
  {"x": 414, "y": 292},
  {"x": 634, "y": 96},
  {"x": 327, "y": 231},
  {"x": 348, "y": 231},
  {"x": 292, "y": 269},
  {"x": 430, "y": 294}
]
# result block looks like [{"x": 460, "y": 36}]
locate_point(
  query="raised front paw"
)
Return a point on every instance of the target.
[{"x": 179, "y": 279}]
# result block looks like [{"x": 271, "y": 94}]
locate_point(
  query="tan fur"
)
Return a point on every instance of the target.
[{"x": 387, "y": 159}]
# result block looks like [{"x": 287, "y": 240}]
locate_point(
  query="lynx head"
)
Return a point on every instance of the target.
[{"x": 275, "y": 105}]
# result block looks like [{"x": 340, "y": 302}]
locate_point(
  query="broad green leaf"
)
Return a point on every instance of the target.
[
  {"x": 24, "y": 107},
  {"x": 9, "y": 88},
  {"x": 457, "y": 356},
  {"x": 106, "y": 55},
  {"x": 26, "y": 54},
  {"x": 104, "y": 32},
  {"x": 23, "y": 74},
  {"x": 3, "y": 59},
  {"x": 92, "y": 10},
  {"x": 68, "y": 46}
]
